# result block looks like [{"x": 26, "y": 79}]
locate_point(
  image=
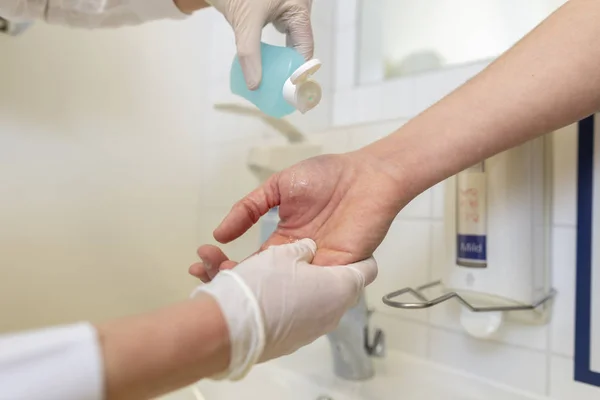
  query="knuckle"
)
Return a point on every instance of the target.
[
  {"x": 248, "y": 207},
  {"x": 252, "y": 210},
  {"x": 244, "y": 52}
]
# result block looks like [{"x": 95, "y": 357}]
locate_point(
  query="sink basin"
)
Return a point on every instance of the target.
[{"x": 308, "y": 375}]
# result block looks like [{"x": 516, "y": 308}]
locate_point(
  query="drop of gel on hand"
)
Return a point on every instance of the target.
[{"x": 285, "y": 86}]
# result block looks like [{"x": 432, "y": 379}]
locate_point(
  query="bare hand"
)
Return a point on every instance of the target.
[{"x": 345, "y": 203}]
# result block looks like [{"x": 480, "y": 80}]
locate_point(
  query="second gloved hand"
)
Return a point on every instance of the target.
[
  {"x": 276, "y": 301},
  {"x": 248, "y": 18}
]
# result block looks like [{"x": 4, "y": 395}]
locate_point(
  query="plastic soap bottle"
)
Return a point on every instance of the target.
[{"x": 286, "y": 84}]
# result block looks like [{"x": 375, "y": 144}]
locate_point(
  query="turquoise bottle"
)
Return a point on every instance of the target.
[{"x": 286, "y": 84}]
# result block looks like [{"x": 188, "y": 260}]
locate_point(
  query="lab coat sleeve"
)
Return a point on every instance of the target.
[
  {"x": 90, "y": 13},
  {"x": 61, "y": 363}
]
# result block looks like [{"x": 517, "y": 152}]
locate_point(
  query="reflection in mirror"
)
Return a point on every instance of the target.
[{"x": 404, "y": 37}]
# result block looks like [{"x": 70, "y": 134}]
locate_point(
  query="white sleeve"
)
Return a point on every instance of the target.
[
  {"x": 61, "y": 363},
  {"x": 90, "y": 13}
]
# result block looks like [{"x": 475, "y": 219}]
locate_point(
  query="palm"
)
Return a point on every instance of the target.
[
  {"x": 331, "y": 201},
  {"x": 344, "y": 205},
  {"x": 342, "y": 202}
]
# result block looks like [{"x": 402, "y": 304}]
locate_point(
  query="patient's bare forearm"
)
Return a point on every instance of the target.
[{"x": 546, "y": 81}]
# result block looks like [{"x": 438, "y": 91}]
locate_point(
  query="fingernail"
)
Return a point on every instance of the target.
[
  {"x": 252, "y": 72},
  {"x": 252, "y": 84}
]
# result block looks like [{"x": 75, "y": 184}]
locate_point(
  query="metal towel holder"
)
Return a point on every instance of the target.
[{"x": 426, "y": 303}]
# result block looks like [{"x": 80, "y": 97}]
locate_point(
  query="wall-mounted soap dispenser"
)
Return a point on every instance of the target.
[
  {"x": 266, "y": 160},
  {"x": 497, "y": 233}
]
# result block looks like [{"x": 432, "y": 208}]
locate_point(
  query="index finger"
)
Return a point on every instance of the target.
[{"x": 299, "y": 34}]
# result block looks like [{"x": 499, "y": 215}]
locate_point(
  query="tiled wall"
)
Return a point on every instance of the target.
[
  {"x": 373, "y": 99},
  {"x": 536, "y": 359},
  {"x": 533, "y": 359}
]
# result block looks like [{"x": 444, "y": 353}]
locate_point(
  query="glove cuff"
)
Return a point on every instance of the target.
[{"x": 244, "y": 320}]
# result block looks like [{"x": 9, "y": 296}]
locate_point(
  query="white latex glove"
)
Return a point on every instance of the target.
[
  {"x": 276, "y": 301},
  {"x": 248, "y": 17}
]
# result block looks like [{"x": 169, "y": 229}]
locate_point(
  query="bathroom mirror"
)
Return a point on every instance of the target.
[{"x": 399, "y": 38}]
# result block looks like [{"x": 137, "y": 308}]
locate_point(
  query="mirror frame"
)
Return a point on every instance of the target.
[
  {"x": 586, "y": 340},
  {"x": 390, "y": 99}
]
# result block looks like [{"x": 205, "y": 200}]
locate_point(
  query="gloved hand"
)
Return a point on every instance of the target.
[
  {"x": 276, "y": 302},
  {"x": 248, "y": 17}
]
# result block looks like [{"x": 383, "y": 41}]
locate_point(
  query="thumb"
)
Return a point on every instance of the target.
[
  {"x": 367, "y": 269},
  {"x": 302, "y": 250},
  {"x": 247, "y": 39},
  {"x": 248, "y": 211}
]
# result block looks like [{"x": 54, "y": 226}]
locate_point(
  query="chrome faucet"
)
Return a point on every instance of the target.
[{"x": 351, "y": 345}]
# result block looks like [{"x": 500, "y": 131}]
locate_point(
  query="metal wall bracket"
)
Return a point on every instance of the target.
[{"x": 426, "y": 303}]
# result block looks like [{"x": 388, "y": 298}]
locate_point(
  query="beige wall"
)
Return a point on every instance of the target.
[
  {"x": 114, "y": 167},
  {"x": 100, "y": 152}
]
